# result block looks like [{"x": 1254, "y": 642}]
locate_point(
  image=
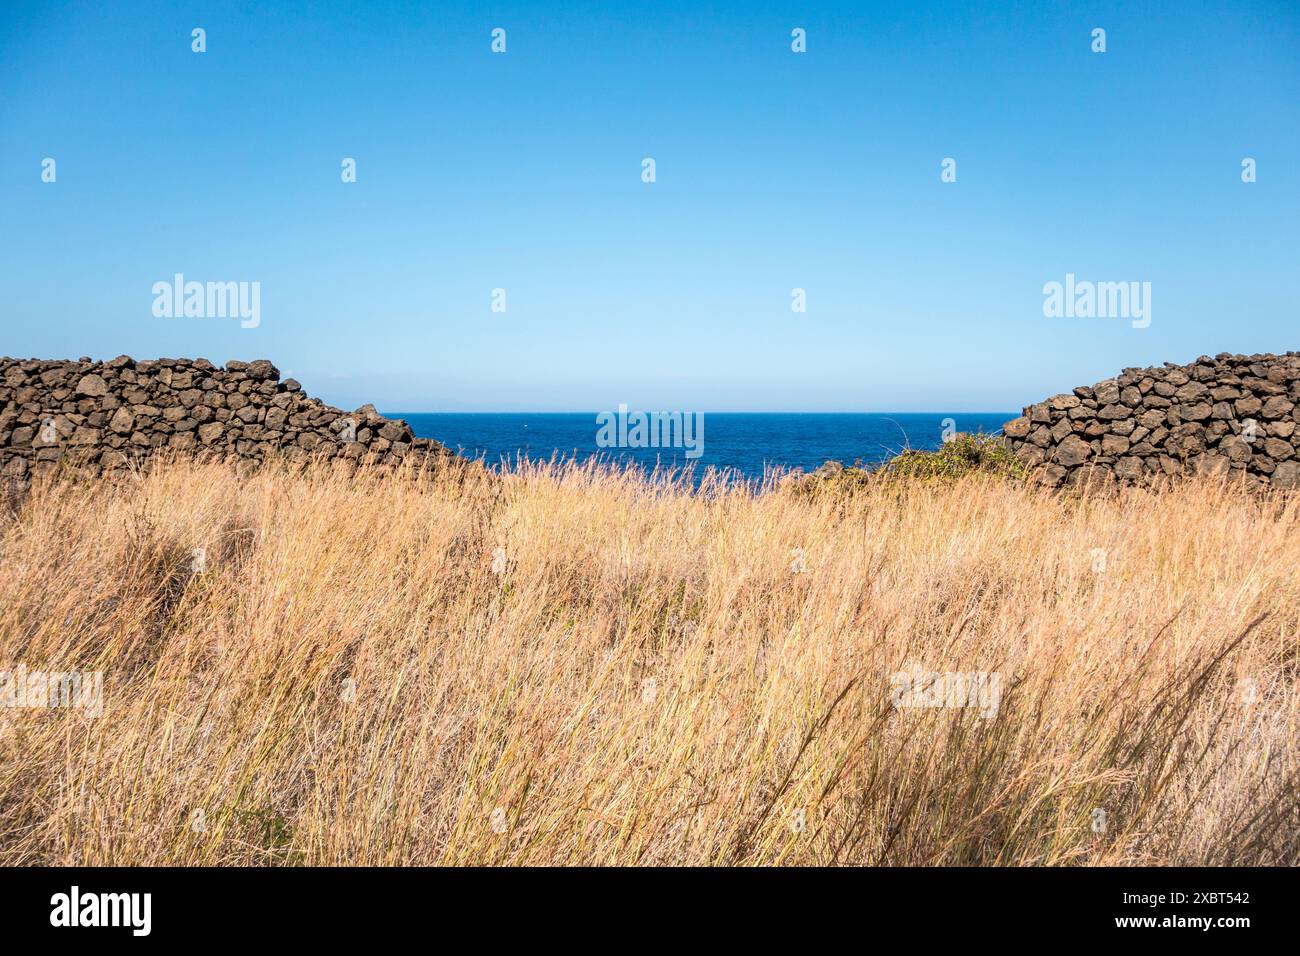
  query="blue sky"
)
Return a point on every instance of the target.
[{"x": 775, "y": 170}]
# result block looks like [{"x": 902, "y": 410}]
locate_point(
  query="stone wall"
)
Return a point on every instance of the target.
[
  {"x": 112, "y": 415},
  {"x": 1233, "y": 415}
]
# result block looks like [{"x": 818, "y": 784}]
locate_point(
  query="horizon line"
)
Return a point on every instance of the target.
[{"x": 685, "y": 411}]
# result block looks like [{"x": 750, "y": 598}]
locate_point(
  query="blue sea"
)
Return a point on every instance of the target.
[{"x": 742, "y": 442}]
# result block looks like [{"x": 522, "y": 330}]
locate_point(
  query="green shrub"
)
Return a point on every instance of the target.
[{"x": 963, "y": 454}]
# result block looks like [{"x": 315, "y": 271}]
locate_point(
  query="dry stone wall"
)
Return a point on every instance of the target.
[
  {"x": 1232, "y": 415},
  {"x": 112, "y": 415}
]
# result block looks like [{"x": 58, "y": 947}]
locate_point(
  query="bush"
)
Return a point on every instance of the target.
[{"x": 963, "y": 454}]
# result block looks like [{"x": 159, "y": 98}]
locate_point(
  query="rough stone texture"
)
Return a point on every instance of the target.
[
  {"x": 1230, "y": 415},
  {"x": 109, "y": 416}
]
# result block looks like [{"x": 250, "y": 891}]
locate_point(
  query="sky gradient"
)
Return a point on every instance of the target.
[{"x": 775, "y": 170}]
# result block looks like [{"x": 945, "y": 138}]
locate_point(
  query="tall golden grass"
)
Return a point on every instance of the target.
[{"x": 647, "y": 674}]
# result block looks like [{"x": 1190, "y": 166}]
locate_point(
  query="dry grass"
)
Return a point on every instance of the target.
[{"x": 647, "y": 681}]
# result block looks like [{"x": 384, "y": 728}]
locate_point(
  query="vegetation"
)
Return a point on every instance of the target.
[
  {"x": 574, "y": 664},
  {"x": 964, "y": 454}
]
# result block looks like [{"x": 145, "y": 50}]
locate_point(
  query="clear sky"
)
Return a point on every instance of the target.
[{"x": 775, "y": 170}]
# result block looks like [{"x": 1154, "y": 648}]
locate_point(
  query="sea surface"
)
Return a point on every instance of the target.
[{"x": 741, "y": 442}]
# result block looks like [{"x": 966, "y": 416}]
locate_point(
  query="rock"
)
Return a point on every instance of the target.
[
  {"x": 1053, "y": 475},
  {"x": 1107, "y": 392},
  {"x": 1114, "y": 444},
  {"x": 1191, "y": 392},
  {"x": 1031, "y": 455},
  {"x": 1286, "y": 476},
  {"x": 122, "y": 422},
  {"x": 1250, "y": 405},
  {"x": 1152, "y": 418},
  {"x": 1073, "y": 451},
  {"x": 1129, "y": 469},
  {"x": 211, "y": 432},
  {"x": 1092, "y": 478},
  {"x": 92, "y": 385},
  {"x": 1277, "y": 449},
  {"x": 1016, "y": 428},
  {"x": 262, "y": 370},
  {"x": 1277, "y": 407},
  {"x": 393, "y": 431},
  {"x": 1235, "y": 449},
  {"x": 1211, "y": 466}
]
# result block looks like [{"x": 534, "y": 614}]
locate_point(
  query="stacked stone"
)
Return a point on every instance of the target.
[
  {"x": 110, "y": 415},
  {"x": 1233, "y": 415}
]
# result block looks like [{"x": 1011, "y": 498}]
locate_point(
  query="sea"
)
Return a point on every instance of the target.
[{"x": 741, "y": 443}]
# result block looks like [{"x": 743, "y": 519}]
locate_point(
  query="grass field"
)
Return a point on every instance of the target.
[{"x": 574, "y": 665}]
